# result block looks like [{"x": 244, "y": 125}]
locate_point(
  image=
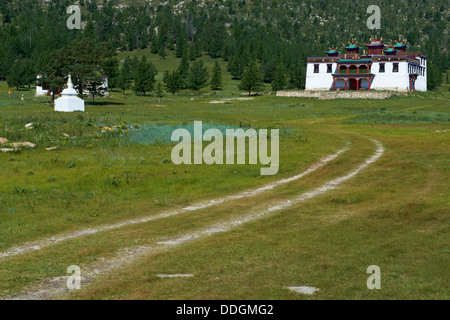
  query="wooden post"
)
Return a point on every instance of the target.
[
  {"x": 357, "y": 84},
  {"x": 369, "y": 83},
  {"x": 345, "y": 84},
  {"x": 334, "y": 84}
]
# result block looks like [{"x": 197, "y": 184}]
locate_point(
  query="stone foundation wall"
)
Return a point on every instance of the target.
[{"x": 328, "y": 95}]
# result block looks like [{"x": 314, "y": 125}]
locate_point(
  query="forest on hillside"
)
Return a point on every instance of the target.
[{"x": 274, "y": 33}]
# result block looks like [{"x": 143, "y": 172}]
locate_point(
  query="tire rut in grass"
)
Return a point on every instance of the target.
[
  {"x": 39, "y": 245},
  {"x": 56, "y": 287}
]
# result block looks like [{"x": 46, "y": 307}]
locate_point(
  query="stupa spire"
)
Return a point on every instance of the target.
[{"x": 69, "y": 82}]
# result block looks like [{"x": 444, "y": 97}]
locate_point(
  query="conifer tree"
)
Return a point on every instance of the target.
[
  {"x": 183, "y": 69},
  {"x": 112, "y": 72},
  {"x": 280, "y": 81},
  {"x": 159, "y": 90},
  {"x": 154, "y": 46},
  {"x": 165, "y": 76},
  {"x": 133, "y": 66},
  {"x": 16, "y": 75},
  {"x": 251, "y": 79},
  {"x": 124, "y": 78},
  {"x": 181, "y": 46},
  {"x": 434, "y": 76},
  {"x": 216, "y": 79},
  {"x": 173, "y": 83},
  {"x": 162, "y": 52},
  {"x": 198, "y": 76},
  {"x": 296, "y": 76},
  {"x": 145, "y": 77}
]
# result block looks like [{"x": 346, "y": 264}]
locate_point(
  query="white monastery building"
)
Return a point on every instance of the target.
[{"x": 382, "y": 68}]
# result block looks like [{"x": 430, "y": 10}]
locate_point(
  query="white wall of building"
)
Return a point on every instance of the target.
[
  {"x": 389, "y": 80},
  {"x": 321, "y": 80}
]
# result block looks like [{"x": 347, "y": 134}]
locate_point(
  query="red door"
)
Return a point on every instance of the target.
[{"x": 352, "y": 84}]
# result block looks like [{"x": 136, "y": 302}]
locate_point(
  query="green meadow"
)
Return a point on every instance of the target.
[{"x": 112, "y": 164}]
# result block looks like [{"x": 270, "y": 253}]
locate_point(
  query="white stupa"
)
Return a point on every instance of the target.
[{"x": 69, "y": 101}]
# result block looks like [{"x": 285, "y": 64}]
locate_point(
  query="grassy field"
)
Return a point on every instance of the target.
[{"x": 394, "y": 214}]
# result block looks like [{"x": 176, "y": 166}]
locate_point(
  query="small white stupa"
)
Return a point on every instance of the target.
[{"x": 69, "y": 102}]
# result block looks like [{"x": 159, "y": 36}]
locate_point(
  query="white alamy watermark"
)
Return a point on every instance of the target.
[
  {"x": 214, "y": 152},
  {"x": 374, "y": 21},
  {"x": 74, "y": 281},
  {"x": 374, "y": 281},
  {"x": 74, "y": 21}
]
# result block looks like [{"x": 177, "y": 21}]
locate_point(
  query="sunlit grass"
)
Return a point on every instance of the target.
[{"x": 395, "y": 214}]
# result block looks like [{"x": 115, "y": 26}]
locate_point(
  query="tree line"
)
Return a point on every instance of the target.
[{"x": 278, "y": 35}]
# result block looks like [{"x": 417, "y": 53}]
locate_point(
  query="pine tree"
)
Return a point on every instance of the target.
[
  {"x": 237, "y": 64},
  {"x": 21, "y": 74},
  {"x": 251, "y": 79},
  {"x": 173, "y": 83},
  {"x": 16, "y": 76},
  {"x": 191, "y": 52},
  {"x": 124, "y": 78},
  {"x": 159, "y": 90},
  {"x": 296, "y": 76},
  {"x": 181, "y": 46},
  {"x": 112, "y": 72},
  {"x": 165, "y": 76},
  {"x": 234, "y": 67},
  {"x": 280, "y": 81},
  {"x": 198, "y": 76},
  {"x": 133, "y": 66},
  {"x": 88, "y": 59},
  {"x": 145, "y": 77},
  {"x": 154, "y": 46},
  {"x": 162, "y": 52},
  {"x": 216, "y": 80},
  {"x": 183, "y": 69},
  {"x": 269, "y": 69},
  {"x": 434, "y": 76}
]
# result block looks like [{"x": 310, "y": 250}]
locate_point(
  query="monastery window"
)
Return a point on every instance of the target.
[
  {"x": 316, "y": 68},
  {"x": 381, "y": 67},
  {"x": 329, "y": 68},
  {"x": 395, "y": 67}
]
